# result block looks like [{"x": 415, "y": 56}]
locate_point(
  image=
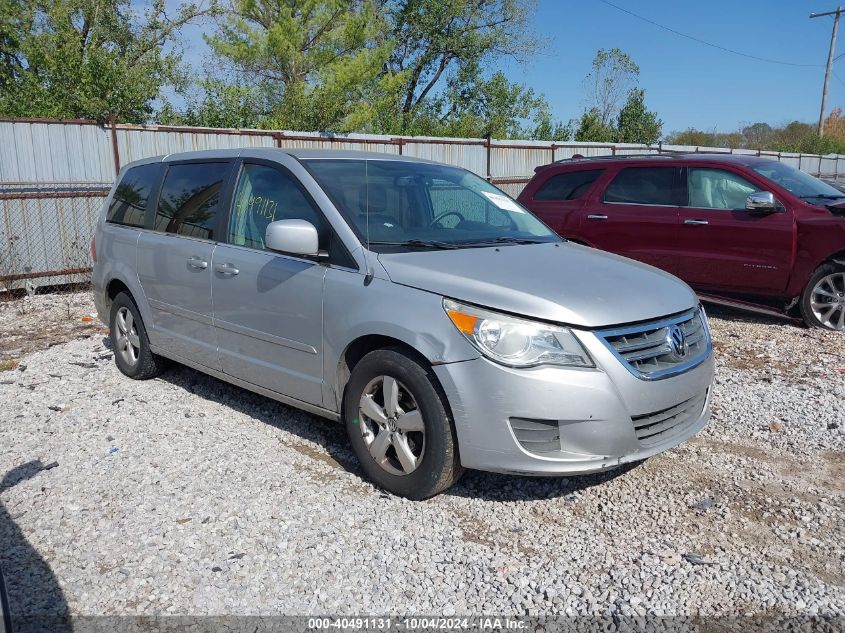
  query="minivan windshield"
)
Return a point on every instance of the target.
[
  {"x": 798, "y": 183},
  {"x": 405, "y": 205}
]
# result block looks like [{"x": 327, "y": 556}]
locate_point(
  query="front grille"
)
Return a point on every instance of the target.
[
  {"x": 647, "y": 349},
  {"x": 537, "y": 436},
  {"x": 654, "y": 428}
]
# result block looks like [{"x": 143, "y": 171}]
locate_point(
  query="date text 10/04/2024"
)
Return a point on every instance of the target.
[{"x": 418, "y": 623}]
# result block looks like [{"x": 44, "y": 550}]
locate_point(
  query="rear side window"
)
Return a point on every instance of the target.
[
  {"x": 643, "y": 185},
  {"x": 129, "y": 205},
  {"x": 190, "y": 199},
  {"x": 567, "y": 186}
]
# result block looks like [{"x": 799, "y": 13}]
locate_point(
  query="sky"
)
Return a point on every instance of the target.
[{"x": 687, "y": 83}]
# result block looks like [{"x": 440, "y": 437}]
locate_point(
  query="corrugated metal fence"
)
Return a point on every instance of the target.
[{"x": 54, "y": 175}]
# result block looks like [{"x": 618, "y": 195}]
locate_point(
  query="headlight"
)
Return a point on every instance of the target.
[{"x": 517, "y": 342}]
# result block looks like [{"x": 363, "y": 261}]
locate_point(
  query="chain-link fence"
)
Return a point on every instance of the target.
[{"x": 45, "y": 235}]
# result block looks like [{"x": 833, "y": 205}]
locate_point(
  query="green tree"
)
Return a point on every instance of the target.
[
  {"x": 93, "y": 59},
  {"x": 384, "y": 66},
  {"x": 451, "y": 40},
  {"x": 316, "y": 63},
  {"x": 612, "y": 77},
  {"x": 756, "y": 135},
  {"x": 636, "y": 124},
  {"x": 591, "y": 129},
  {"x": 480, "y": 107},
  {"x": 545, "y": 128},
  {"x": 215, "y": 103},
  {"x": 441, "y": 48},
  {"x": 693, "y": 137}
]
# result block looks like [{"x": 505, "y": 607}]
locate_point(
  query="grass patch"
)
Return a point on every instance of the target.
[{"x": 8, "y": 365}]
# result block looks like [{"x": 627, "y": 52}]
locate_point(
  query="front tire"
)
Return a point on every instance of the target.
[
  {"x": 823, "y": 300},
  {"x": 130, "y": 344},
  {"x": 399, "y": 426}
]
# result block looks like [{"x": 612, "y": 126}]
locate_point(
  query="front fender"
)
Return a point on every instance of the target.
[
  {"x": 353, "y": 309},
  {"x": 820, "y": 240}
]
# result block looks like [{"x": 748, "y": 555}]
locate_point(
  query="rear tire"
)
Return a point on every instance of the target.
[
  {"x": 130, "y": 344},
  {"x": 823, "y": 300},
  {"x": 399, "y": 426}
]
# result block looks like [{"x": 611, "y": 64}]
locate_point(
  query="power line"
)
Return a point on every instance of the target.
[
  {"x": 837, "y": 77},
  {"x": 710, "y": 44}
]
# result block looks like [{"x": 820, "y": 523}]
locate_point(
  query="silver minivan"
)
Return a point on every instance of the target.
[{"x": 438, "y": 319}]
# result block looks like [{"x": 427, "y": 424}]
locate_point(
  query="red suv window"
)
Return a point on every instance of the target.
[
  {"x": 568, "y": 185},
  {"x": 643, "y": 185}
]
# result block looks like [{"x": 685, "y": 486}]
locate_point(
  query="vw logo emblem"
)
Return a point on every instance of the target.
[{"x": 677, "y": 341}]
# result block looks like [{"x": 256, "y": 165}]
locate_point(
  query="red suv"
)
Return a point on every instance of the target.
[{"x": 742, "y": 230}]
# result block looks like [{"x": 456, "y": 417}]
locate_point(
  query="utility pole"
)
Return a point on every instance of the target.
[{"x": 830, "y": 53}]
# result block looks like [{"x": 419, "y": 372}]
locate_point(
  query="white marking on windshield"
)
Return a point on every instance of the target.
[{"x": 503, "y": 202}]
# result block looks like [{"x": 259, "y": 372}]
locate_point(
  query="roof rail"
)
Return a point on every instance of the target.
[{"x": 662, "y": 154}]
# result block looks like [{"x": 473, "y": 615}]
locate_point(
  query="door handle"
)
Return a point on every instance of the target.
[
  {"x": 597, "y": 216},
  {"x": 226, "y": 269},
  {"x": 696, "y": 222},
  {"x": 196, "y": 262}
]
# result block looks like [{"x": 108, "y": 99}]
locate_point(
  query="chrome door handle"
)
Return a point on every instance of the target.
[
  {"x": 226, "y": 269},
  {"x": 196, "y": 262},
  {"x": 696, "y": 222},
  {"x": 597, "y": 216}
]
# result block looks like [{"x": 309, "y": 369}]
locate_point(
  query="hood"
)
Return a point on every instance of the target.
[{"x": 565, "y": 283}]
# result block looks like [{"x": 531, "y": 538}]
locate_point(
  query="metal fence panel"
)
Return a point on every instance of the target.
[
  {"x": 49, "y": 152},
  {"x": 45, "y": 234},
  {"x": 470, "y": 154},
  {"x": 53, "y": 175},
  {"x": 811, "y": 164},
  {"x": 513, "y": 189},
  {"x": 137, "y": 143},
  {"x": 513, "y": 161},
  {"x": 827, "y": 166},
  {"x": 351, "y": 142}
]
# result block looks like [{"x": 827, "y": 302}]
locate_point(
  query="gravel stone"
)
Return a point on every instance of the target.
[{"x": 184, "y": 495}]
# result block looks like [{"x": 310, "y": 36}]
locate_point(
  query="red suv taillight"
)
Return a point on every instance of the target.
[{"x": 94, "y": 248}]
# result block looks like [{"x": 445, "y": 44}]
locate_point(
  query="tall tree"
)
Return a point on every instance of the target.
[
  {"x": 314, "y": 60},
  {"x": 92, "y": 59},
  {"x": 612, "y": 77},
  {"x": 450, "y": 41},
  {"x": 385, "y": 66},
  {"x": 478, "y": 107},
  {"x": 545, "y": 128},
  {"x": 635, "y": 123}
]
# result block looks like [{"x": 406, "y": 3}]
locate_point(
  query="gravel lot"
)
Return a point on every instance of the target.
[{"x": 184, "y": 495}]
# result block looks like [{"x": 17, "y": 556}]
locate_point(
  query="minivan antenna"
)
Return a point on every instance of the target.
[{"x": 368, "y": 278}]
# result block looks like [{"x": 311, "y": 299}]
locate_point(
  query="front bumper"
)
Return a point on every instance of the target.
[{"x": 594, "y": 413}]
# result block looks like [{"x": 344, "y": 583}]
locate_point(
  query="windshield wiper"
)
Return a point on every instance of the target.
[
  {"x": 824, "y": 196},
  {"x": 506, "y": 240},
  {"x": 419, "y": 244}
]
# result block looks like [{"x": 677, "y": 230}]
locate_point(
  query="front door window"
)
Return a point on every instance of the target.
[{"x": 717, "y": 189}]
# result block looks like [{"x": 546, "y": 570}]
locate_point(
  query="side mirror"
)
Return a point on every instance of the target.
[
  {"x": 295, "y": 237},
  {"x": 761, "y": 201}
]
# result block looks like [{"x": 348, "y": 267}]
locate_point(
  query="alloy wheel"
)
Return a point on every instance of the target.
[
  {"x": 392, "y": 426},
  {"x": 127, "y": 343},
  {"x": 828, "y": 301}
]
